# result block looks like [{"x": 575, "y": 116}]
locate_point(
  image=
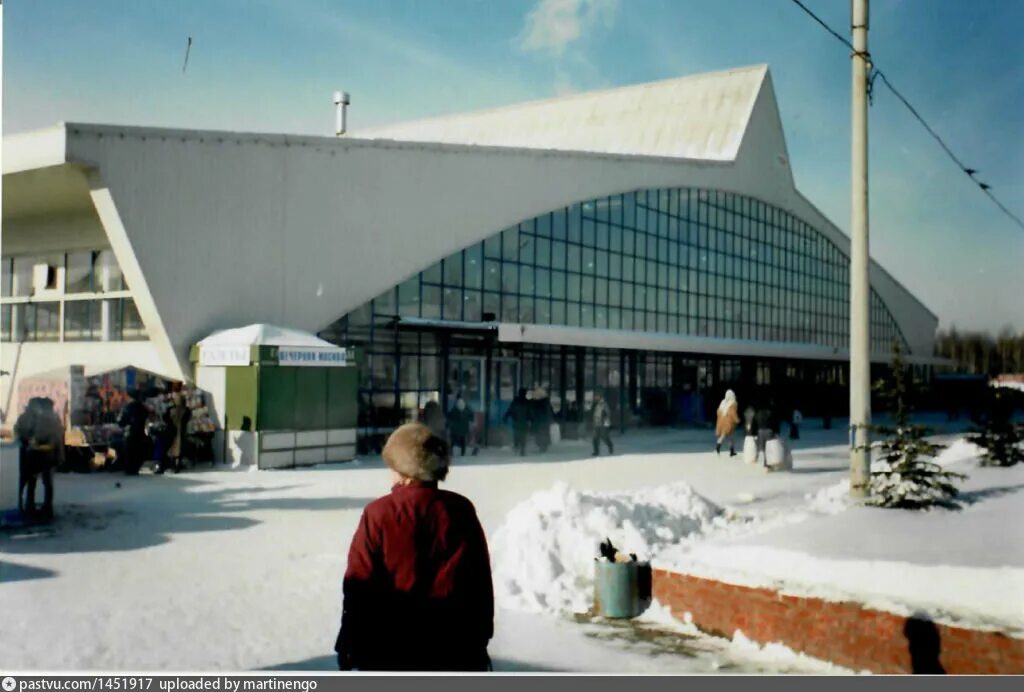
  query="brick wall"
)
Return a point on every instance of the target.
[{"x": 845, "y": 633}]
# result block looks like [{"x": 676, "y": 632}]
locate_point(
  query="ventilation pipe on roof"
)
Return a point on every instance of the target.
[{"x": 341, "y": 102}]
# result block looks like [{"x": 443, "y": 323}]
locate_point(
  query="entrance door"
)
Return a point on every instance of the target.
[
  {"x": 465, "y": 379},
  {"x": 505, "y": 379}
]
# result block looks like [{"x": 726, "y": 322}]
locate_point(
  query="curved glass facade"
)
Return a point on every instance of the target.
[{"x": 676, "y": 261}]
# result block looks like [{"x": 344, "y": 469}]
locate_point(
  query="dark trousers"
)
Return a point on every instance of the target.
[
  {"x": 35, "y": 465},
  {"x": 519, "y": 434},
  {"x": 794, "y": 431},
  {"x": 135, "y": 449},
  {"x": 601, "y": 433},
  {"x": 460, "y": 442}
]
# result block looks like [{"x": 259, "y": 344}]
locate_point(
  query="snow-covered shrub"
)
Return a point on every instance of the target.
[
  {"x": 904, "y": 475},
  {"x": 995, "y": 432}
]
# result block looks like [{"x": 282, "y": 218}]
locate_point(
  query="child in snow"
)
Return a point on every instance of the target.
[{"x": 417, "y": 591}]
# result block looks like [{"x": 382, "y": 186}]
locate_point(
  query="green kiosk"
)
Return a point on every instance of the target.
[{"x": 282, "y": 397}]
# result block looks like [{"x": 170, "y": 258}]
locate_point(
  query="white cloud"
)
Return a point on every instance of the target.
[{"x": 553, "y": 25}]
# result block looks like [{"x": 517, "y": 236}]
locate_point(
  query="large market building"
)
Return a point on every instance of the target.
[{"x": 647, "y": 242}]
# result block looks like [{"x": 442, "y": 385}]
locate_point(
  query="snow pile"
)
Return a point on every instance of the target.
[
  {"x": 544, "y": 553},
  {"x": 959, "y": 451},
  {"x": 830, "y": 500}
]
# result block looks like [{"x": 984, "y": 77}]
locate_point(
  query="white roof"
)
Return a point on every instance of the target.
[
  {"x": 265, "y": 335},
  {"x": 700, "y": 116}
]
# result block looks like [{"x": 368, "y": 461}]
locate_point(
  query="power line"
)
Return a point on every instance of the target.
[{"x": 969, "y": 172}]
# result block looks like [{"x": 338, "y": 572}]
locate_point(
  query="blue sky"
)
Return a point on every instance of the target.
[{"x": 271, "y": 65}]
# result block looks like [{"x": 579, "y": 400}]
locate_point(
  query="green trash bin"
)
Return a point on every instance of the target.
[{"x": 621, "y": 589}]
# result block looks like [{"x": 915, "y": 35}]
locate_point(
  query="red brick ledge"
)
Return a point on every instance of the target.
[{"x": 846, "y": 634}]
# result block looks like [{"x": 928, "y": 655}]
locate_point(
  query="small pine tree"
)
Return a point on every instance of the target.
[
  {"x": 904, "y": 477},
  {"x": 997, "y": 434}
]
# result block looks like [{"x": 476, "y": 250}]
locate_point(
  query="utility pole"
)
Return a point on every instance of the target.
[{"x": 860, "y": 291}]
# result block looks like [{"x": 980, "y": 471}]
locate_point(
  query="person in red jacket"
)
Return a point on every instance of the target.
[{"x": 417, "y": 590}]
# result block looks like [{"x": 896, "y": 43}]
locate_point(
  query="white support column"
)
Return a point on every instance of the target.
[
  {"x": 860, "y": 342},
  {"x": 106, "y": 327}
]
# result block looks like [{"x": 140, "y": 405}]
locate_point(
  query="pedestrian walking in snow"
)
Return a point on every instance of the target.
[
  {"x": 602, "y": 419},
  {"x": 725, "y": 425},
  {"x": 794, "y": 424},
  {"x": 460, "y": 424},
  {"x": 418, "y": 594},
  {"x": 24, "y": 430},
  {"x": 766, "y": 427},
  {"x": 176, "y": 419},
  {"x": 133, "y": 419},
  {"x": 520, "y": 414},
  {"x": 43, "y": 435}
]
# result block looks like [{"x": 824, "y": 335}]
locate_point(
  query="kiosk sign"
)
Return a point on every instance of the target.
[
  {"x": 321, "y": 357},
  {"x": 224, "y": 355}
]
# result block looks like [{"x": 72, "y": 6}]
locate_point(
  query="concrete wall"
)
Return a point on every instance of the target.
[{"x": 230, "y": 229}]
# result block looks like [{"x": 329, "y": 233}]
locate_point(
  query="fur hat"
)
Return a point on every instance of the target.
[{"x": 414, "y": 451}]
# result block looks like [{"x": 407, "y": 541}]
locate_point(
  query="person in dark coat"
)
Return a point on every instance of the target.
[
  {"x": 460, "y": 424},
  {"x": 418, "y": 594},
  {"x": 24, "y": 430},
  {"x": 44, "y": 451},
  {"x": 433, "y": 418},
  {"x": 133, "y": 418},
  {"x": 602, "y": 418},
  {"x": 767, "y": 426},
  {"x": 541, "y": 417},
  {"x": 520, "y": 415}
]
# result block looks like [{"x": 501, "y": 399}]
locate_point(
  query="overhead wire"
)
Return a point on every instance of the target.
[{"x": 877, "y": 73}]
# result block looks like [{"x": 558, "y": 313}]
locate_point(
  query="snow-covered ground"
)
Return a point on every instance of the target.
[{"x": 234, "y": 571}]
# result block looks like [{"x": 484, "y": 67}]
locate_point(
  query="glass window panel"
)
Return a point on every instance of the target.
[
  {"x": 543, "y": 257},
  {"x": 432, "y": 274},
  {"x": 542, "y": 311},
  {"x": 575, "y": 252},
  {"x": 409, "y": 298},
  {"x": 541, "y": 226},
  {"x": 572, "y": 314},
  {"x": 573, "y": 232},
  {"x": 431, "y": 307},
  {"x": 492, "y": 305},
  {"x": 526, "y": 313},
  {"x": 526, "y": 284},
  {"x": 589, "y": 231},
  {"x": 558, "y": 312},
  {"x": 492, "y": 275},
  {"x": 471, "y": 306},
  {"x": 543, "y": 283},
  {"x": 558, "y": 284},
  {"x": 586, "y": 289},
  {"x": 82, "y": 320},
  {"x": 473, "y": 267},
  {"x": 602, "y": 236},
  {"x": 510, "y": 242},
  {"x": 509, "y": 308},
  {"x": 453, "y": 270},
  {"x": 586, "y": 316},
  {"x": 80, "y": 274},
  {"x": 509, "y": 278},
  {"x": 558, "y": 255},
  {"x": 589, "y": 261},
  {"x": 601, "y": 292},
  {"x": 492, "y": 247},
  {"x": 452, "y": 304},
  {"x": 573, "y": 287}
]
